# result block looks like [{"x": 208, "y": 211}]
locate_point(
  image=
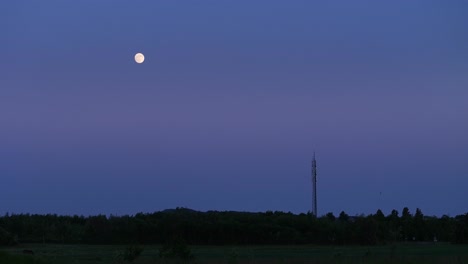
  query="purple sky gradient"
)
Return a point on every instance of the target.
[{"x": 230, "y": 103}]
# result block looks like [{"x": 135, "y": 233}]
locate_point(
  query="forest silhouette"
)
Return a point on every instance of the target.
[{"x": 233, "y": 228}]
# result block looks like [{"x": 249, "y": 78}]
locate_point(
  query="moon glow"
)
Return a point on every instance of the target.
[{"x": 139, "y": 58}]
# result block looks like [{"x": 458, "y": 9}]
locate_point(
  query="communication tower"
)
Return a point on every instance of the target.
[{"x": 314, "y": 186}]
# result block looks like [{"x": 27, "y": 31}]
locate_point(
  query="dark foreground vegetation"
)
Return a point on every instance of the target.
[
  {"x": 233, "y": 228},
  {"x": 406, "y": 252}
]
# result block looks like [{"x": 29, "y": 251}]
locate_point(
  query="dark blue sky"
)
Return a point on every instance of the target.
[{"x": 230, "y": 103}]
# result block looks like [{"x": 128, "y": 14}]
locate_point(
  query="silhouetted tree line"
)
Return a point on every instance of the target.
[{"x": 220, "y": 228}]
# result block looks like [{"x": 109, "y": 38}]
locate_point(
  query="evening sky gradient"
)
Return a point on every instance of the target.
[{"x": 230, "y": 103}]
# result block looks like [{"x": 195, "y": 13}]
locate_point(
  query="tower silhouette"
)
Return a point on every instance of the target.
[{"x": 314, "y": 186}]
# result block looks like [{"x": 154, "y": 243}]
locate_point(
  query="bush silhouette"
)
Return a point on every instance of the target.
[
  {"x": 176, "y": 249},
  {"x": 130, "y": 253}
]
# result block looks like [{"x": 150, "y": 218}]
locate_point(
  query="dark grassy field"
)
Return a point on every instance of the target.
[{"x": 87, "y": 254}]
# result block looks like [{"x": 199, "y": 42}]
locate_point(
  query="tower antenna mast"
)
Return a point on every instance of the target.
[{"x": 314, "y": 186}]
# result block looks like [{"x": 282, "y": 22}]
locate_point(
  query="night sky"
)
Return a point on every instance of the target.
[{"x": 230, "y": 104}]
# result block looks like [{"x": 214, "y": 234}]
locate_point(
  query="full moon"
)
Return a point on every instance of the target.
[{"x": 139, "y": 58}]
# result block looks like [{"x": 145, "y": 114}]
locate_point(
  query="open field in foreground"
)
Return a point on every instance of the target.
[{"x": 103, "y": 254}]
